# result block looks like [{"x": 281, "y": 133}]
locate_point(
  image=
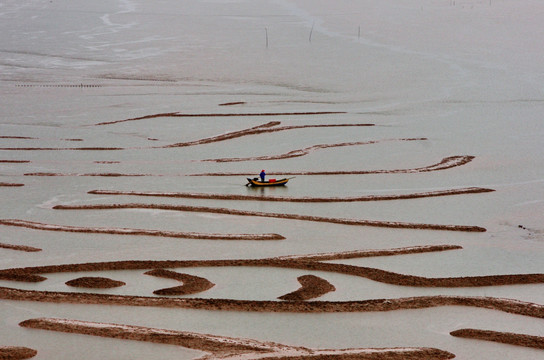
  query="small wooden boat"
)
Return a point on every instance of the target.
[{"x": 270, "y": 182}]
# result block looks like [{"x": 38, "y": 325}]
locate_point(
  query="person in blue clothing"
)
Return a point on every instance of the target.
[{"x": 262, "y": 175}]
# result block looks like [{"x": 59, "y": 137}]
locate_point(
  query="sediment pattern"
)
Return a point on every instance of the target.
[
  {"x": 3, "y": 184},
  {"x": 184, "y": 195},
  {"x": 16, "y": 353},
  {"x": 221, "y": 347},
  {"x": 18, "y": 137},
  {"x": 126, "y": 231},
  {"x": 342, "y": 221},
  {"x": 423, "y": 302},
  {"x": 191, "y": 284},
  {"x": 312, "y": 287},
  {"x": 260, "y": 129},
  {"x": 307, "y": 150},
  {"x": 93, "y": 282},
  {"x": 233, "y": 103},
  {"x": 61, "y": 148},
  {"x": 14, "y": 161},
  {"x": 19, "y": 247},
  {"x": 87, "y": 174},
  {"x": 446, "y": 163},
  {"x": 178, "y": 114},
  {"x": 309, "y": 263},
  {"x": 501, "y": 337}
]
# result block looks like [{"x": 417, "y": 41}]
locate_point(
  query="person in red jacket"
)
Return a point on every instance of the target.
[{"x": 262, "y": 175}]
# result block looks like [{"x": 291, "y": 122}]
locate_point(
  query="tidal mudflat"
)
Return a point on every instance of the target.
[{"x": 412, "y": 228}]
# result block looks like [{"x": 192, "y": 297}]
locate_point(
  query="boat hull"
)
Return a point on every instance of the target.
[{"x": 280, "y": 182}]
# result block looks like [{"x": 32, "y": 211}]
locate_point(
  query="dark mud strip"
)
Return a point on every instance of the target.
[
  {"x": 306, "y": 151},
  {"x": 221, "y": 347},
  {"x": 61, "y": 148},
  {"x": 18, "y": 137},
  {"x": 107, "y": 162},
  {"x": 271, "y": 126},
  {"x": 446, "y": 163},
  {"x": 93, "y": 282},
  {"x": 2, "y": 184},
  {"x": 177, "y": 114},
  {"x": 126, "y": 231},
  {"x": 14, "y": 161},
  {"x": 312, "y": 287},
  {"x": 233, "y": 103},
  {"x": 30, "y": 274},
  {"x": 16, "y": 353},
  {"x": 88, "y": 174},
  {"x": 422, "y": 302},
  {"x": 342, "y": 221},
  {"x": 370, "y": 253},
  {"x": 501, "y": 337},
  {"x": 191, "y": 284},
  {"x": 19, "y": 247},
  {"x": 261, "y": 129},
  {"x": 471, "y": 190}
]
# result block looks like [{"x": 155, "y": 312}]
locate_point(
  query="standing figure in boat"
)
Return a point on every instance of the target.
[{"x": 262, "y": 175}]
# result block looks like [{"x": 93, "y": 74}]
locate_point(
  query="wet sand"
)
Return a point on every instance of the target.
[
  {"x": 302, "y": 152},
  {"x": 312, "y": 287},
  {"x": 191, "y": 284},
  {"x": 93, "y": 282},
  {"x": 446, "y": 163},
  {"x": 19, "y": 247},
  {"x": 177, "y": 114},
  {"x": 269, "y": 127},
  {"x": 375, "y": 305},
  {"x": 16, "y": 353},
  {"x": 353, "y": 222},
  {"x": 221, "y": 347},
  {"x": 142, "y": 232},
  {"x": 501, "y": 337},
  {"x": 311, "y": 262},
  {"x": 463, "y": 191}
]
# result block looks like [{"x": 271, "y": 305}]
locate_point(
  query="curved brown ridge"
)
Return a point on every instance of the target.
[
  {"x": 126, "y": 231},
  {"x": 227, "y": 347},
  {"x": 260, "y": 129},
  {"x": 11, "y": 184},
  {"x": 271, "y": 126},
  {"x": 469, "y": 190},
  {"x": 93, "y": 282},
  {"x": 28, "y": 274},
  {"x": 342, "y": 221},
  {"x": 177, "y": 114},
  {"x": 422, "y": 302},
  {"x": 16, "y": 353},
  {"x": 445, "y": 163},
  {"x": 19, "y": 247},
  {"x": 191, "y": 284},
  {"x": 311, "y": 262},
  {"x": 312, "y": 287},
  {"x": 306, "y": 151},
  {"x": 501, "y": 337}
]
